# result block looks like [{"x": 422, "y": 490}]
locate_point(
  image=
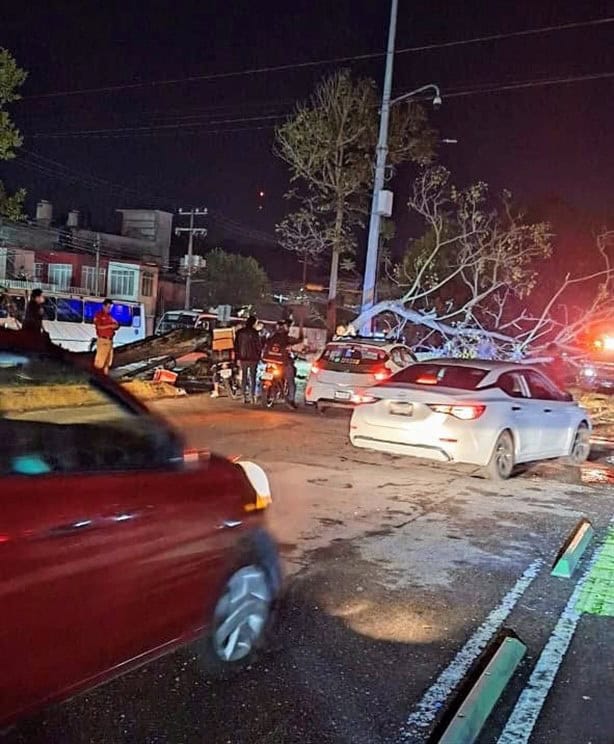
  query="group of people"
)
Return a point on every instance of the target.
[
  {"x": 249, "y": 347},
  {"x": 250, "y": 350},
  {"x": 105, "y": 324}
]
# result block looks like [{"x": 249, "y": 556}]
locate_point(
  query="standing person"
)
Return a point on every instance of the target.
[
  {"x": 248, "y": 349},
  {"x": 33, "y": 320},
  {"x": 106, "y": 326},
  {"x": 277, "y": 349}
]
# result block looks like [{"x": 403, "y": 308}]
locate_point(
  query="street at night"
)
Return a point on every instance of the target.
[
  {"x": 398, "y": 575},
  {"x": 307, "y": 373}
]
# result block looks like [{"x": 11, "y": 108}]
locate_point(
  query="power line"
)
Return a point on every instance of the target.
[
  {"x": 190, "y": 128},
  {"x": 62, "y": 173},
  {"x": 158, "y": 127},
  {"x": 54, "y": 169},
  {"x": 321, "y": 62},
  {"x": 147, "y": 132},
  {"x": 530, "y": 84}
]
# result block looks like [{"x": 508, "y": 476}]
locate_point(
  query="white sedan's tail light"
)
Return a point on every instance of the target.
[
  {"x": 362, "y": 399},
  {"x": 465, "y": 412}
]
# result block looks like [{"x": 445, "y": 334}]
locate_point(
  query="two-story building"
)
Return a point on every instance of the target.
[{"x": 82, "y": 262}]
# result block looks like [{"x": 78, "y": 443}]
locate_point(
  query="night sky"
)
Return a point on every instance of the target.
[{"x": 214, "y": 147}]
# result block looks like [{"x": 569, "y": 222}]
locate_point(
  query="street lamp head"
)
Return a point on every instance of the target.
[{"x": 437, "y": 101}]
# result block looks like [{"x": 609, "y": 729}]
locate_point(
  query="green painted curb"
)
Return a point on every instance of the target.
[
  {"x": 597, "y": 596},
  {"x": 465, "y": 726},
  {"x": 572, "y": 550}
]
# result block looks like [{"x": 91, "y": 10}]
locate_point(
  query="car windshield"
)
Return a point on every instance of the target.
[
  {"x": 441, "y": 375},
  {"x": 353, "y": 358}
]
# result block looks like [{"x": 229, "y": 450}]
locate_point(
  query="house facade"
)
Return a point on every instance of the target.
[{"x": 85, "y": 263}]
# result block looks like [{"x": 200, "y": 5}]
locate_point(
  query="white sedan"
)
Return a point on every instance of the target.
[
  {"x": 485, "y": 413},
  {"x": 348, "y": 366}
]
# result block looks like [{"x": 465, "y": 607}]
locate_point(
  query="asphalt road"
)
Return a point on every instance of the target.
[{"x": 399, "y": 574}]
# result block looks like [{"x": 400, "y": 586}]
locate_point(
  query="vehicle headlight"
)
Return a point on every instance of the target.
[
  {"x": 260, "y": 483},
  {"x": 589, "y": 372}
]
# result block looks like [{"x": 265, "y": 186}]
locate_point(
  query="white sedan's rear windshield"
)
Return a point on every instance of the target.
[
  {"x": 441, "y": 375},
  {"x": 355, "y": 359}
]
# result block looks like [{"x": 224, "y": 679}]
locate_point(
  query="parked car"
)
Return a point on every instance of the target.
[
  {"x": 345, "y": 369},
  {"x": 485, "y": 413},
  {"x": 117, "y": 544},
  {"x": 596, "y": 370}
]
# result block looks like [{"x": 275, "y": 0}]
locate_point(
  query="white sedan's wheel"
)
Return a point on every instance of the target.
[
  {"x": 581, "y": 445},
  {"x": 501, "y": 465}
]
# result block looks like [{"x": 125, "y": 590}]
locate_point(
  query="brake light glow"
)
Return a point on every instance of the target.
[
  {"x": 362, "y": 399},
  {"x": 465, "y": 412},
  {"x": 427, "y": 380},
  {"x": 315, "y": 368},
  {"x": 382, "y": 374}
]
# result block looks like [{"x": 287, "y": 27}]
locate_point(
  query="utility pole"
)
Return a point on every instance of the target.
[
  {"x": 192, "y": 231},
  {"x": 97, "y": 275},
  {"x": 368, "y": 292}
]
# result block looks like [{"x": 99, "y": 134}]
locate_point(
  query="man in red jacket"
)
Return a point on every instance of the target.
[{"x": 106, "y": 326}]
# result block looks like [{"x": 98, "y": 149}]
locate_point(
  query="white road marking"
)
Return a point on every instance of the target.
[
  {"x": 420, "y": 720},
  {"x": 521, "y": 722}
]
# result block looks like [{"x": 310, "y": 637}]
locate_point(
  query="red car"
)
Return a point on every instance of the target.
[{"x": 116, "y": 544}]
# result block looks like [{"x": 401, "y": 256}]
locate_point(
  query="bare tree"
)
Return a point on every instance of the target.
[
  {"x": 329, "y": 146},
  {"x": 306, "y": 233},
  {"x": 472, "y": 277}
]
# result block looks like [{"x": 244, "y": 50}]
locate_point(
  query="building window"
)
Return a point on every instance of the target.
[
  {"x": 122, "y": 282},
  {"x": 60, "y": 275},
  {"x": 88, "y": 279},
  {"x": 39, "y": 272},
  {"x": 147, "y": 284}
]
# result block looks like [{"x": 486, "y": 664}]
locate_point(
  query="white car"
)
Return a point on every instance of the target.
[
  {"x": 485, "y": 413},
  {"x": 345, "y": 369}
]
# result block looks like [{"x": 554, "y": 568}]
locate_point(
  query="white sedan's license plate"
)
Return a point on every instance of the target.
[
  {"x": 226, "y": 373},
  {"x": 267, "y": 375},
  {"x": 342, "y": 395},
  {"x": 401, "y": 409}
]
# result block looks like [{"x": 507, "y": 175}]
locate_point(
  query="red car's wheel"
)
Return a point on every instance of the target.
[{"x": 245, "y": 612}]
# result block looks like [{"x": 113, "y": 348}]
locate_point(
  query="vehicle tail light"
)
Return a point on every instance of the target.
[
  {"x": 362, "y": 399},
  {"x": 427, "y": 380},
  {"x": 315, "y": 368},
  {"x": 382, "y": 374},
  {"x": 465, "y": 412}
]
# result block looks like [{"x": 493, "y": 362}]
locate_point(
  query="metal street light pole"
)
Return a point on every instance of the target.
[{"x": 368, "y": 292}]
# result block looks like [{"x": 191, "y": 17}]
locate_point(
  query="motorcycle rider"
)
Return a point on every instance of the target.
[
  {"x": 248, "y": 349},
  {"x": 277, "y": 350}
]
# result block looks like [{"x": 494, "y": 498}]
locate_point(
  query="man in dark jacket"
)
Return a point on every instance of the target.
[
  {"x": 33, "y": 320},
  {"x": 277, "y": 349},
  {"x": 248, "y": 349}
]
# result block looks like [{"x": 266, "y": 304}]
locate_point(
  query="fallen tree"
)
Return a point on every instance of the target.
[{"x": 481, "y": 281}]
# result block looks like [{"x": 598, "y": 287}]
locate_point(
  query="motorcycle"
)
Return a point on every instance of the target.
[
  {"x": 227, "y": 376},
  {"x": 273, "y": 386}
]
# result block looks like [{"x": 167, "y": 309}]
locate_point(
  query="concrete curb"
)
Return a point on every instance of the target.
[
  {"x": 26, "y": 398},
  {"x": 478, "y": 703},
  {"x": 572, "y": 550}
]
